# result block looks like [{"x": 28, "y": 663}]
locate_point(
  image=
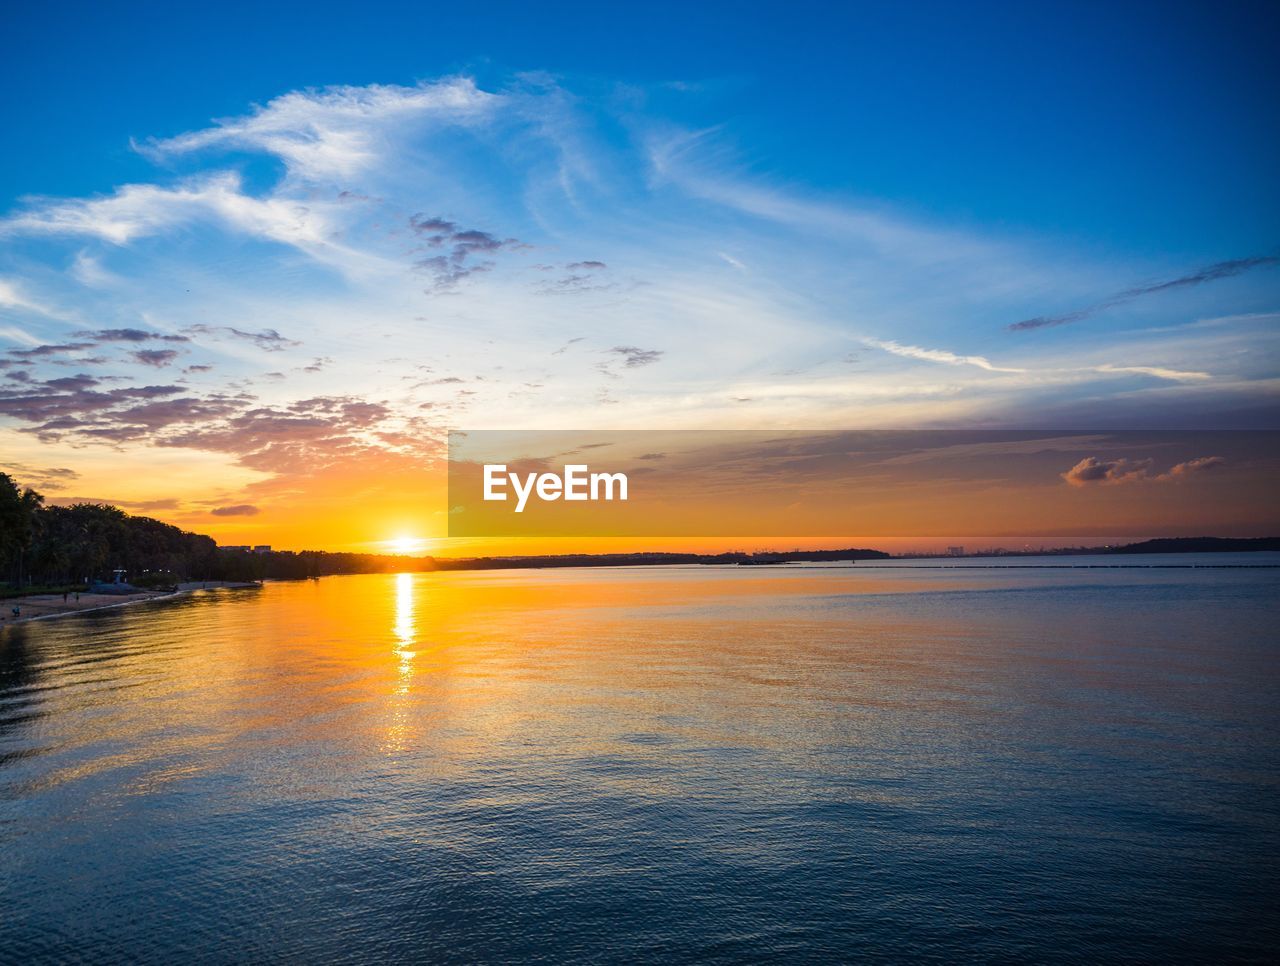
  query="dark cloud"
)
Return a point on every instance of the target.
[
  {"x": 449, "y": 270},
  {"x": 300, "y": 438},
  {"x": 129, "y": 335},
  {"x": 432, "y": 226},
  {"x": 636, "y": 357},
  {"x": 42, "y": 351},
  {"x": 297, "y": 439},
  {"x": 239, "y": 510},
  {"x": 41, "y": 477},
  {"x": 158, "y": 358},
  {"x": 42, "y": 402},
  {"x": 589, "y": 266},
  {"x": 138, "y": 506},
  {"x": 72, "y": 383},
  {"x": 463, "y": 245},
  {"x": 197, "y": 369},
  {"x": 1209, "y": 273}
]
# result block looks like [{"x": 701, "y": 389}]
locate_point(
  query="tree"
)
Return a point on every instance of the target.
[{"x": 19, "y": 521}]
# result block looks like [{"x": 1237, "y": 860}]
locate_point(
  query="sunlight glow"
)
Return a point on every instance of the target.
[{"x": 406, "y": 544}]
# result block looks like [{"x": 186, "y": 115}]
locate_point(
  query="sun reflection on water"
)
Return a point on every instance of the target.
[
  {"x": 405, "y": 632},
  {"x": 405, "y": 628}
]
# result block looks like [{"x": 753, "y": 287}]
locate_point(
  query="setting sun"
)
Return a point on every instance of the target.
[{"x": 406, "y": 545}]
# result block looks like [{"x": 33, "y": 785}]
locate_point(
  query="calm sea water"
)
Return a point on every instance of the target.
[{"x": 802, "y": 763}]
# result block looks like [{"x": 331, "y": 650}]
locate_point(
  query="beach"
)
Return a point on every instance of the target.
[{"x": 35, "y": 607}]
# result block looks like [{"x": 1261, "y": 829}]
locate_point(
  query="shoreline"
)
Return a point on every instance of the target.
[{"x": 41, "y": 607}]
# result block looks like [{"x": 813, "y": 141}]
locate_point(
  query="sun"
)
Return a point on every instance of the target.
[{"x": 405, "y": 545}]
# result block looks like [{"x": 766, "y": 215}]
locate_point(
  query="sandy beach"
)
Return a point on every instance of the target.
[{"x": 44, "y": 606}]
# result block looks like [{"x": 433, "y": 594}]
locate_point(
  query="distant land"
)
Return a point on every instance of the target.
[
  {"x": 59, "y": 547},
  {"x": 1201, "y": 545},
  {"x": 1160, "y": 545}
]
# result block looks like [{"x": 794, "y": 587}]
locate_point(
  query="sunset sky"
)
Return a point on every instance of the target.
[{"x": 247, "y": 286}]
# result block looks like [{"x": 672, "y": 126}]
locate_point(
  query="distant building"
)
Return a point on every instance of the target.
[
  {"x": 955, "y": 551},
  {"x": 261, "y": 548},
  {"x": 245, "y": 548}
]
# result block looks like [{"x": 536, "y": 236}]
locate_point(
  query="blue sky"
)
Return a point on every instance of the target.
[
  {"x": 1127, "y": 126},
  {"x": 258, "y": 243}
]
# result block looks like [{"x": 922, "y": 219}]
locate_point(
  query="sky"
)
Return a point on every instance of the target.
[{"x": 255, "y": 263}]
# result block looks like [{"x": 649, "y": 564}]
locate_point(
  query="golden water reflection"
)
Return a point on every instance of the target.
[{"x": 399, "y": 730}]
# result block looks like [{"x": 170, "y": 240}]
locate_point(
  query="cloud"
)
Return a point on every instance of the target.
[
  {"x": 129, "y": 335},
  {"x": 155, "y": 357},
  {"x": 239, "y": 510},
  {"x": 73, "y": 409},
  {"x": 636, "y": 357},
  {"x": 52, "y": 349},
  {"x": 41, "y": 477},
  {"x": 88, "y": 270},
  {"x": 547, "y": 167},
  {"x": 299, "y": 439},
  {"x": 139, "y": 210},
  {"x": 269, "y": 340},
  {"x": 138, "y": 506},
  {"x": 1160, "y": 372},
  {"x": 296, "y": 439},
  {"x": 1092, "y": 471},
  {"x": 936, "y": 355},
  {"x": 1210, "y": 273},
  {"x": 981, "y": 362},
  {"x": 565, "y": 348},
  {"x": 573, "y": 284},
  {"x": 337, "y": 131},
  {"x": 14, "y": 334},
  {"x": 1201, "y": 464},
  {"x": 12, "y": 297},
  {"x": 463, "y": 244}
]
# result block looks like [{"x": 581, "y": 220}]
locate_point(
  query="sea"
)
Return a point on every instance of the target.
[{"x": 1052, "y": 759}]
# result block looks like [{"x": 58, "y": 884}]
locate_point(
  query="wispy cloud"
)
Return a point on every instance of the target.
[
  {"x": 139, "y": 210},
  {"x": 269, "y": 340},
  {"x": 392, "y": 196},
  {"x": 1210, "y": 273},
  {"x": 981, "y": 362},
  {"x": 936, "y": 355},
  {"x": 335, "y": 132}
]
